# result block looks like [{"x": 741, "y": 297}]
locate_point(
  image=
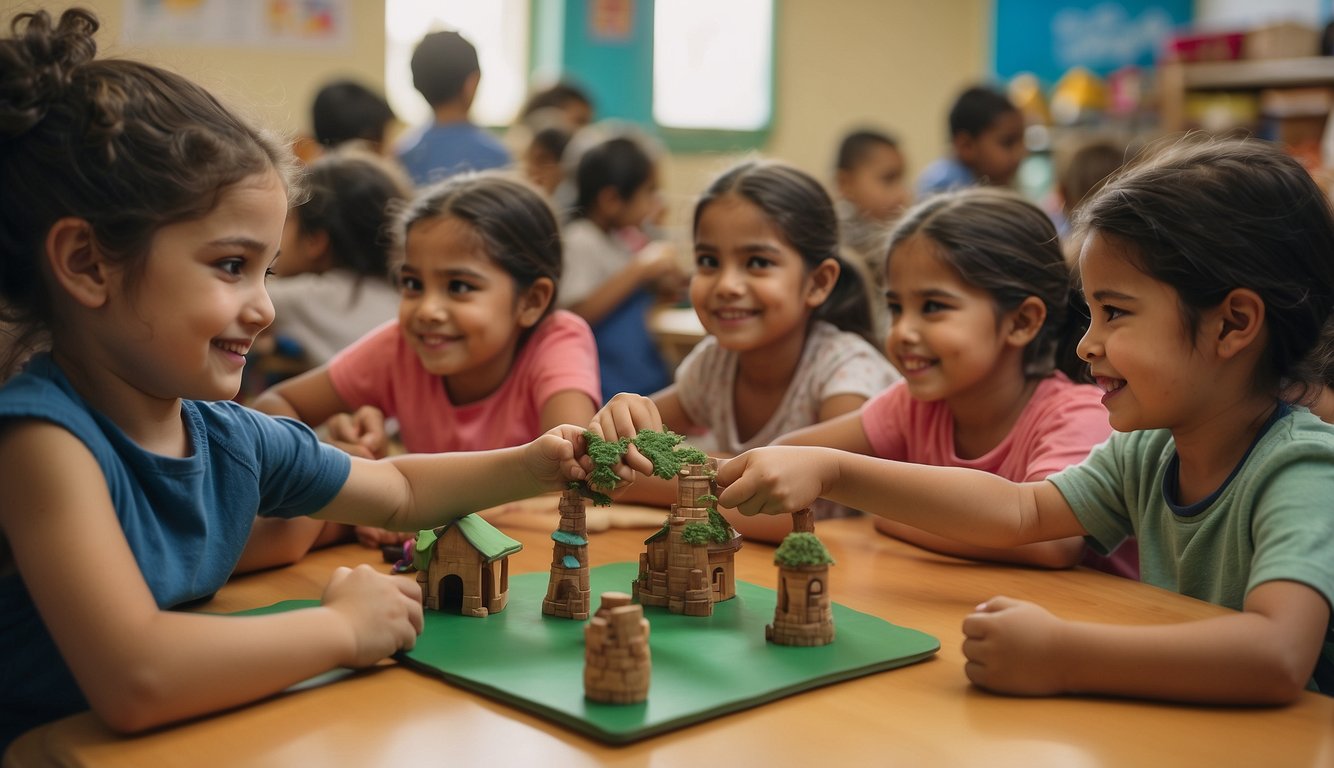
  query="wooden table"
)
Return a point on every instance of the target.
[{"x": 921, "y": 715}]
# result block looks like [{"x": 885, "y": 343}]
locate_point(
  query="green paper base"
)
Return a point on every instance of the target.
[{"x": 702, "y": 667}]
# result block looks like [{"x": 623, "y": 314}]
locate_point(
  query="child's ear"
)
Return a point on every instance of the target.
[
  {"x": 534, "y": 301},
  {"x": 1024, "y": 322},
  {"x": 1239, "y": 320},
  {"x": 821, "y": 281},
  {"x": 76, "y": 262},
  {"x": 965, "y": 147}
]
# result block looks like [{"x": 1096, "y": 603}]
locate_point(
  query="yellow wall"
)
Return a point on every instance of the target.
[{"x": 841, "y": 63}]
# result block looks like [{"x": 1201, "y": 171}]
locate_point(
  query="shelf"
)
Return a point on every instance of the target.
[{"x": 1260, "y": 73}]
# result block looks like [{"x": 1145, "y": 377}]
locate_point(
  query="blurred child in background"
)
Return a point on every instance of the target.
[
  {"x": 333, "y": 282},
  {"x": 612, "y": 276},
  {"x": 986, "y": 143},
  {"x": 446, "y": 73},
  {"x": 346, "y": 111},
  {"x": 872, "y": 194}
]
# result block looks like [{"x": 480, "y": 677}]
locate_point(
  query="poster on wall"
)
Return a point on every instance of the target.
[
  {"x": 1049, "y": 37},
  {"x": 318, "y": 24}
]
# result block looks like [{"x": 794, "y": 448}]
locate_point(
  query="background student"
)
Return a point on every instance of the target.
[
  {"x": 983, "y": 330},
  {"x": 333, "y": 284},
  {"x": 986, "y": 141},
  {"x": 446, "y": 73},
  {"x": 613, "y": 275},
  {"x": 1208, "y": 277},
  {"x": 787, "y": 323},
  {"x": 140, "y": 254},
  {"x": 345, "y": 111}
]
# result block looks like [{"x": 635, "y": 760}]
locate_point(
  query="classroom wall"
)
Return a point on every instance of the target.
[{"x": 895, "y": 65}]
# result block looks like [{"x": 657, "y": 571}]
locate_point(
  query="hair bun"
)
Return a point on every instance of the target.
[{"x": 37, "y": 63}]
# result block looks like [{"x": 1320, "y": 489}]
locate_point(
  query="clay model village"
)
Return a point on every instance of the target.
[{"x": 686, "y": 568}]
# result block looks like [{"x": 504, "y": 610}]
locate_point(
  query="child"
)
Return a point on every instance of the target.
[
  {"x": 1081, "y": 172},
  {"x": 606, "y": 283},
  {"x": 981, "y": 321},
  {"x": 345, "y": 111},
  {"x": 1207, "y": 271},
  {"x": 787, "y": 325},
  {"x": 477, "y": 359},
  {"x": 572, "y": 103},
  {"x": 542, "y": 158},
  {"x": 987, "y": 139},
  {"x": 446, "y": 73},
  {"x": 139, "y": 219},
  {"x": 334, "y": 282},
  {"x": 871, "y": 194}
]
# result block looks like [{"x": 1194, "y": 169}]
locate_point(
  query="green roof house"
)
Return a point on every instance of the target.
[{"x": 463, "y": 567}]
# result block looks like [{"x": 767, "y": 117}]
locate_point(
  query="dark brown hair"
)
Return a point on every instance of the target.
[
  {"x": 1008, "y": 247},
  {"x": 124, "y": 145}
]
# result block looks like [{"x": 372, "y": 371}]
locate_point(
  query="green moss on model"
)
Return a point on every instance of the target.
[{"x": 802, "y": 549}]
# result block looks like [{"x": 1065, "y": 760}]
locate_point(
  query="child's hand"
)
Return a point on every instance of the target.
[
  {"x": 623, "y": 416},
  {"x": 657, "y": 261},
  {"x": 550, "y": 458},
  {"x": 1013, "y": 646},
  {"x": 384, "y": 613},
  {"x": 773, "y": 480},
  {"x": 362, "y": 430}
]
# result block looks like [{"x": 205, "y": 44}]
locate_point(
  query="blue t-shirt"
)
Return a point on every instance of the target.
[
  {"x": 944, "y": 175},
  {"x": 444, "y": 149},
  {"x": 628, "y": 357},
  {"x": 186, "y": 520}
]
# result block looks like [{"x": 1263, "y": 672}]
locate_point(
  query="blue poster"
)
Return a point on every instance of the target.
[{"x": 1048, "y": 37}]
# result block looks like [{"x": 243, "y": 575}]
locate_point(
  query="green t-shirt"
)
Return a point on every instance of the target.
[{"x": 1273, "y": 519}]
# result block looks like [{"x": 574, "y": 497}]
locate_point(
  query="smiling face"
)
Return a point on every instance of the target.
[
  {"x": 1137, "y": 345},
  {"x": 945, "y": 336},
  {"x": 182, "y": 327},
  {"x": 459, "y": 310},
  {"x": 875, "y": 185},
  {"x": 750, "y": 288}
]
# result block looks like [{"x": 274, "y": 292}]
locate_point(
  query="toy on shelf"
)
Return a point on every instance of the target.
[
  {"x": 804, "y": 614},
  {"x": 688, "y": 564},
  {"x": 617, "y": 664},
  {"x": 463, "y": 567},
  {"x": 567, "y": 591}
]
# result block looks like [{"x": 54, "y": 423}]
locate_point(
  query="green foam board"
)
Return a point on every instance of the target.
[{"x": 703, "y": 667}]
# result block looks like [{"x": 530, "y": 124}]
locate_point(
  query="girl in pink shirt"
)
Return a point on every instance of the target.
[
  {"x": 983, "y": 325},
  {"x": 477, "y": 358}
]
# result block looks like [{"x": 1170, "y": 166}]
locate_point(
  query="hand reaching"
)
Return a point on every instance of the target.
[
  {"x": 1014, "y": 647},
  {"x": 550, "y": 459},
  {"x": 361, "y": 433},
  {"x": 623, "y": 416},
  {"x": 774, "y": 480},
  {"x": 383, "y": 613}
]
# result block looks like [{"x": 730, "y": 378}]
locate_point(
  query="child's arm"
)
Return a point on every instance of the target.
[
  {"x": 651, "y": 263},
  {"x": 418, "y": 491},
  {"x": 965, "y": 504},
  {"x": 567, "y": 407},
  {"x": 1263, "y": 655},
  {"x": 140, "y": 666},
  {"x": 312, "y": 399},
  {"x": 847, "y": 434}
]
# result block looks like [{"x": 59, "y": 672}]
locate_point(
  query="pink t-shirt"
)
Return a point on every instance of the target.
[
  {"x": 381, "y": 369},
  {"x": 1062, "y": 422}
]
